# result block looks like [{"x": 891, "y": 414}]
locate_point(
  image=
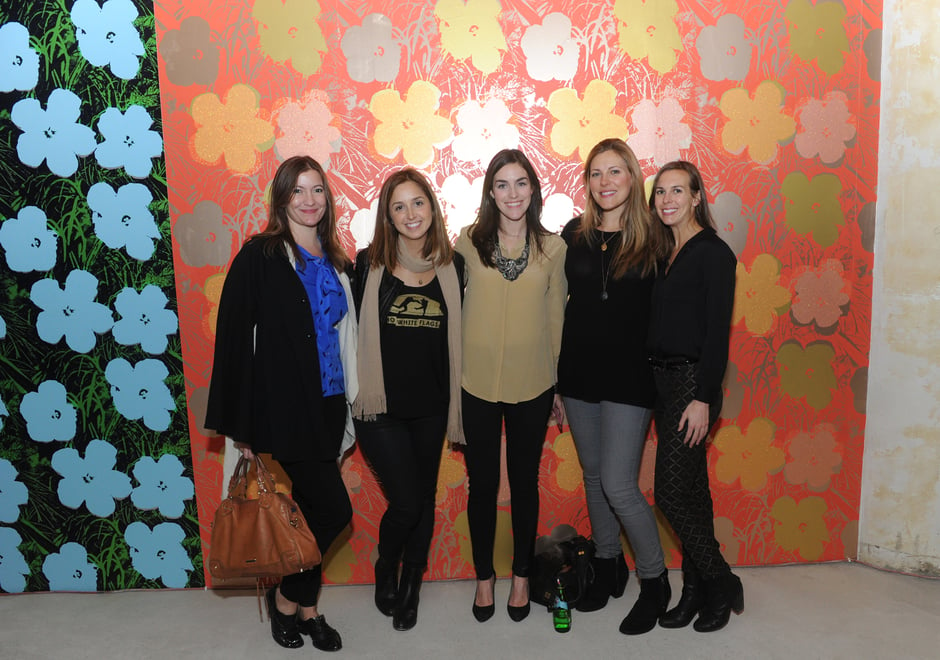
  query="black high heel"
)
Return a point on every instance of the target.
[
  {"x": 484, "y": 612},
  {"x": 284, "y": 627},
  {"x": 517, "y": 612}
]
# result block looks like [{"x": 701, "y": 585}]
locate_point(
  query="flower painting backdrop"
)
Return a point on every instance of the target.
[
  {"x": 96, "y": 479},
  {"x": 776, "y": 102}
]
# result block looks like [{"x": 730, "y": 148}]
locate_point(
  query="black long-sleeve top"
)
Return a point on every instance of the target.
[
  {"x": 603, "y": 342},
  {"x": 692, "y": 304}
]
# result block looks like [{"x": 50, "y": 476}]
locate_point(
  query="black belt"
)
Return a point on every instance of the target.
[{"x": 665, "y": 363}]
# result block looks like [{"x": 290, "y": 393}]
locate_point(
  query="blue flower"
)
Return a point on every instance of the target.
[
  {"x": 12, "y": 565},
  {"x": 139, "y": 391},
  {"x": 159, "y": 553},
  {"x": 123, "y": 219},
  {"x": 107, "y": 36},
  {"x": 52, "y": 135},
  {"x": 128, "y": 141},
  {"x": 92, "y": 480},
  {"x": 28, "y": 241},
  {"x": 3, "y": 329},
  {"x": 19, "y": 64},
  {"x": 69, "y": 569},
  {"x": 162, "y": 486},
  {"x": 49, "y": 416},
  {"x": 144, "y": 319},
  {"x": 71, "y": 311},
  {"x": 13, "y": 494},
  {"x": 3, "y": 413}
]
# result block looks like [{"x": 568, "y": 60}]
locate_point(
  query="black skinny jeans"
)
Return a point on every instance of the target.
[
  {"x": 405, "y": 455},
  {"x": 526, "y": 424},
  {"x": 319, "y": 491},
  {"x": 681, "y": 483}
]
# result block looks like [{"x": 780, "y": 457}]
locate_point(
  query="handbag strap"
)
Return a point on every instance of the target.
[{"x": 238, "y": 484}]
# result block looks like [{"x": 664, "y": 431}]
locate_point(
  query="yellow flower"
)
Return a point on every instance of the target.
[
  {"x": 749, "y": 456},
  {"x": 451, "y": 475},
  {"x": 647, "y": 28},
  {"x": 800, "y": 526},
  {"x": 568, "y": 473},
  {"x": 755, "y": 122},
  {"x": 583, "y": 123},
  {"x": 339, "y": 568},
  {"x": 757, "y": 296},
  {"x": 730, "y": 545},
  {"x": 234, "y": 129},
  {"x": 817, "y": 33},
  {"x": 212, "y": 290},
  {"x": 813, "y": 206},
  {"x": 471, "y": 30},
  {"x": 288, "y": 30},
  {"x": 410, "y": 126},
  {"x": 815, "y": 458},
  {"x": 807, "y": 373}
]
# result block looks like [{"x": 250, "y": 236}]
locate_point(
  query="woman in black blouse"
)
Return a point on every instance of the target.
[
  {"x": 688, "y": 346},
  {"x": 409, "y": 298},
  {"x": 605, "y": 377}
]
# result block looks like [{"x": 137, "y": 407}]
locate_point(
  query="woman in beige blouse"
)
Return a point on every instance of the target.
[{"x": 512, "y": 319}]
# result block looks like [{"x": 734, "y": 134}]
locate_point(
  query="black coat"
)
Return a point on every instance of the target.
[{"x": 265, "y": 389}]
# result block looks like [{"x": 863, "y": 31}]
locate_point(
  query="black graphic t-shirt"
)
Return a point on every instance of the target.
[{"x": 414, "y": 352}]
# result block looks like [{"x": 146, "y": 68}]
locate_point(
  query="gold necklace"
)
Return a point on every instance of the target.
[
  {"x": 605, "y": 273},
  {"x": 604, "y": 242}
]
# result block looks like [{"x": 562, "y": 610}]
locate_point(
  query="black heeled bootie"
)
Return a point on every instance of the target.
[
  {"x": 722, "y": 596},
  {"x": 610, "y": 580},
  {"x": 284, "y": 628},
  {"x": 654, "y": 598},
  {"x": 322, "y": 635},
  {"x": 386, "y": 585},
  {"x": 690, "y": 603},
  {"x": 405, "y": 615}
]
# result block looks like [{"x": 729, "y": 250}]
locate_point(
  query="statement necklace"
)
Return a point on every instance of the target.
[{"x": 511, "y": 269}]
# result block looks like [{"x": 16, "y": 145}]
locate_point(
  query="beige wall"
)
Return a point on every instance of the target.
[{"x": 899, "y": 526}]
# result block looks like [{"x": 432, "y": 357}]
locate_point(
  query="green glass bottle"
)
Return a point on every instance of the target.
[{"x": 561, "y": 615}]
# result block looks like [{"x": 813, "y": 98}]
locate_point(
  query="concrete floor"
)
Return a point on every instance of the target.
[{"x": 830, "y": 611}]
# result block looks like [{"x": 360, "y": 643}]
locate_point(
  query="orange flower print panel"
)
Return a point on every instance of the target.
[
  {"x": 814, "y": 457},
  {"x": 800, "y": 526},
  {"x": 647, "y": 28},
  {"x": 812, "y": 206},
  {"x": 410, "y": 126},
  {"x": 817, "y": 32},
  {"x": 757, "y": 296},
  {"x": 749, "y": 456},
  {"x": 583, "y": 122},
  {"x": 470, "y": 30},
  {"x": 756, "y": 122},
  {"x": 820, "y": 295},
  {"x": 234, "y": 129},
  {"x": 807, "y": 373},
  {"x": 288, "y": 31}
]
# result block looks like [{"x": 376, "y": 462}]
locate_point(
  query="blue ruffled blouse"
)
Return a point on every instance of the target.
[{"x": 328, "y": 305}]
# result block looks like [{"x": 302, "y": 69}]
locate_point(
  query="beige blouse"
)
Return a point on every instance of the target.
[{"x": 512, "y": 330}]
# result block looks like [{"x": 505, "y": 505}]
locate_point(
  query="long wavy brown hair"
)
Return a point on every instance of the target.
[{"x": 703, "y": 215}]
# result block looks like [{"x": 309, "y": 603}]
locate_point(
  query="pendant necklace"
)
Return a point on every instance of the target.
[{"x": 605, "y": 272}]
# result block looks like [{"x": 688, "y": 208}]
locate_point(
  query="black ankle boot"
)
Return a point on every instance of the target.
[
  {"x": 722, "y": 596},
  {"x": 601, "y": 587},
  {"x": 621, "y": 576},
  {"x": 386, "y": 585},
  {"x": 689, "y": 605},
  {"x": 654, "y": 598},
  {"x": 405, "y": 615},
  {"x": 284, "y": 628}
]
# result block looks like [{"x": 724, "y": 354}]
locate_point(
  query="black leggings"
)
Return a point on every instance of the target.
[
  {"x": 526, "y": 424},
  {"x": 681, "y": 489},
  {"x": 319, "y": 491},
  {"x": 405, "y": 455}
]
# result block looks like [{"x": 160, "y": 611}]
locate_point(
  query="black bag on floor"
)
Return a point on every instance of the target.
[{"x": 564, "y": 556}]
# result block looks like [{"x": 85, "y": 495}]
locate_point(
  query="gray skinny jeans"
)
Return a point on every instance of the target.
[{"x": 609, "y": 438}]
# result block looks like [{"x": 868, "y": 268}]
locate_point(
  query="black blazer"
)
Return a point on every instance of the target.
[{"x": 265, "y": 389}]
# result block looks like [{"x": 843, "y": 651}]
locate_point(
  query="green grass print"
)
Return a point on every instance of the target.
[{"x": 26, "y": 361}]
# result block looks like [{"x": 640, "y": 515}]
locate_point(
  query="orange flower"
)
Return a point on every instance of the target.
[
  {"x": 235, "y": 129},
  {"x": 288, "y": 30},
  {"x": 757, "y": 297},
  {"x": 756, "y": 123},
  {"x": 470, "y": 30},
  {"x": 813, "y": 206},
  {"x": 807, "y": 373},
  {"x": 583, "y": 123},
  {"x": 410, "y": 126},
  {"x": 820, "y": 295},
  {"x": 648, "y": 29},
  {"x": 800, "y": 526},
  {"x": 749, "y": 456},
  {"x": 568, "y": 474},
  {"x": 815, "y": 457}
]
